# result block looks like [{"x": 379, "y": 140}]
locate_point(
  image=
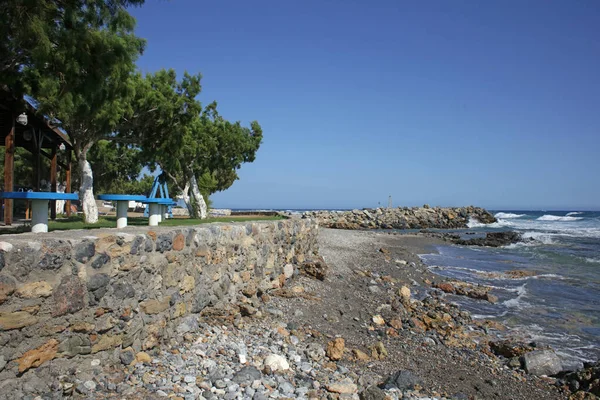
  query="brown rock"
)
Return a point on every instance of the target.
[
  {"x": 360, "y": 355},
  {"x": 16, "y": 320},
  {"x": 178, "y": 242},
  {"x": 316, "y": 268},
  {"x": 396, "y": 323},
  {"x": 384, "y": 250},
  {"x": 143, "y": 357},
  {"x": 446, "y": 287},
  {"x": 378, "y": 351},
  {"x": 345, "y": 386},
  {"x": 36, "y": 357},
  {"x": 107, "y": 342},
  {"x": 155, "y": 306},
  {"x": 335, "y": 349},
  {"x": 82, "y": 327},
  {"x": 34, "y": 290},
  {"x": 69, "y": 296},
  {"x": 391, "y": 332},
  {"x": 419, "y": 325}
]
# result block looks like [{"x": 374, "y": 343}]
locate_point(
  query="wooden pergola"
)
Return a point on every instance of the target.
[{"x": 21, "y": 126}]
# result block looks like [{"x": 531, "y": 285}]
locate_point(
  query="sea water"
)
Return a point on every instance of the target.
[{"x": 559, "y": 304}]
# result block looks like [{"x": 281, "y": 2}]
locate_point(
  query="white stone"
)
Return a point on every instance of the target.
[
  {"x": 277, "y": 362},
  {"x": 95, "y": 362},
  {"x": 288, "y": 270},
  {"x": 242, "y": 358},
  {"x": 5, "y": 247},
  {"x": 90, "y": 385}
]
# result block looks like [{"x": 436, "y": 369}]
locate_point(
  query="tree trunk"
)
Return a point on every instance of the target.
[
  {"x": 185, "y": 194},
  {"x": 86, "y": 189},
  {"x": 199, "y": 205}
]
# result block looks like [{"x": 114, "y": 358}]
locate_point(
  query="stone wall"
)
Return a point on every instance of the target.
[{"x": 74, "y": 293}]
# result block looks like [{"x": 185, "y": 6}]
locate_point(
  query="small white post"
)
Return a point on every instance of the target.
[
  {"x": 154, "y": 214},
  {"x": 165, "y": 212},
  {"x": 122, "y": 206},
  {"x": 39, "y": 216}
]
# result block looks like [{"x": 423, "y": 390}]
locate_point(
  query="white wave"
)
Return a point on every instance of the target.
[
  {"x": 593, "y": 260},
  {"x": 517, "y": 302},
  {"x": 542, "y": 237},
  {"x": 508, "y": 215},
  {"x": 549, "y": 217},
  {"x": 574, "y": 213},
  {"x": 475, "y": 223}
]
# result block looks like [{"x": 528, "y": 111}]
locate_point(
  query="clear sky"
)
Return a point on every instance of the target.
[{"x": 492, "y": 103}]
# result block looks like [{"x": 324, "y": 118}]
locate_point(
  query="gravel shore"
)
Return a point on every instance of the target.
[{"x": 371, "y": 329}]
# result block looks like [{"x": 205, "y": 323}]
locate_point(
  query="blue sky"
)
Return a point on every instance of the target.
[{"x": 448, "y": 103}]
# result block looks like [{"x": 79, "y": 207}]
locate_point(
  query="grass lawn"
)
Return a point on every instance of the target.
[{"x": 111, "y": 222}]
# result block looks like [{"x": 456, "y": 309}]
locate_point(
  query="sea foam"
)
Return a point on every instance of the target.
[{"x": 508, "y": 215}]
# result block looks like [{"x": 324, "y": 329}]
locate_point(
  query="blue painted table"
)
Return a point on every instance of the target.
[
  {"x": 39, "y": 205},
  {"x": 156, "y": 207},
  {"x": 122, "y": 205}
]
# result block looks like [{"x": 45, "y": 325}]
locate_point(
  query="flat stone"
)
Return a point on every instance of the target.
[
  {"x": 107, "y": 342},
  {"x": 178, "y": 242},
  {"x": 155, "y": 306},
  {"x": 82, "y": 326},
  {"x": 75, "y": 345},
  {"x": 16, "y": 320},
  {"x": 34, "y": 290},
  {"x": 36, "y": 357},
  {"x": 345, "y": 386},
  {"x": 247, "y": 375}
]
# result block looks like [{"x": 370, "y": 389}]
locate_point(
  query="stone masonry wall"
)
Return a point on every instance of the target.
[{"x": 74, "y": 293}]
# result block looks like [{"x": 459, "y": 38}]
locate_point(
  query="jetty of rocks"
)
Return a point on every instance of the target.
[{"x": 402, "y": 218}]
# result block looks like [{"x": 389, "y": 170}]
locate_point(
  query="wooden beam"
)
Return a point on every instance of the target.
[
  {"x": 68, "y": 183},
  {"x": 9, "y": 172},
  {"x": 53, "y": 170}
]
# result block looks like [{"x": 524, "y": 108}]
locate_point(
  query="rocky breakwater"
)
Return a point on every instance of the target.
[
  {"x": 402, "y": 218},
  {"x": 105, "y": 293}
]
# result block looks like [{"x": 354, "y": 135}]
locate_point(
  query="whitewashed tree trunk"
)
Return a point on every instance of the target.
[
  {"x": 86, "y": 191},
  {"x": 185, "y": 194},
  {"x": 199, "y": 205}
]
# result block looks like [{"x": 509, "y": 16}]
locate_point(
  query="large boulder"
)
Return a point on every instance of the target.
[{"x": 541, "y": 362}]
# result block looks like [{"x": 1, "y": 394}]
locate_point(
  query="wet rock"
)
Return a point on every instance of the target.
[
  {"x": 492, "y": 239},
  {"x": 541, "y": 362}
]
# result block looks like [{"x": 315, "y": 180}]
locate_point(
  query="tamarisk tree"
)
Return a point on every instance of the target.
[
  {"x": 193, "y": 145},
  {"x": 76, "y": 58}
]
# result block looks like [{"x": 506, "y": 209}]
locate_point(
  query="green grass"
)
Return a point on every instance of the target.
[{"x": 76, "y": 222}]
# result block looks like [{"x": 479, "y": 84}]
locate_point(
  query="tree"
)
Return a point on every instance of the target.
[
  {"x": 76, "y": 58},
  {"x": 189, "y": 142},
  {"x": 117, "y": 169}
]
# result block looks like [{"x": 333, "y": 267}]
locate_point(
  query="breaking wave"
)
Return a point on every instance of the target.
[
  {"x": 549, "y": 217},
  {"x": 508, "y": 215}
]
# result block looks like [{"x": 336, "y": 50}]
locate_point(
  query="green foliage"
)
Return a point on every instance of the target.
[{"x": 117, "y": 168}]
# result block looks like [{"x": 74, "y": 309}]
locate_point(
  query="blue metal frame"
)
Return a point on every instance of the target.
[
  {"x": 39, "y": 195},
  {"x": 160, "y": 186}
]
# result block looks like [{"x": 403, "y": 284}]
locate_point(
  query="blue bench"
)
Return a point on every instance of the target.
[
  {"x": 156, "y": 210},
  {"x": 39, "y": 205},
  {"x": 122, "y": 205}
]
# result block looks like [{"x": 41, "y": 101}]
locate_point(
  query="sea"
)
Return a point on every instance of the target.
[{"x": 558, "y": 304}]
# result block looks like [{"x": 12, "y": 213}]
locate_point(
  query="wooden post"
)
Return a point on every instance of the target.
[
  {"x": 9, "y": 172},
  {"x": 68, "y": 183},
  {"x": 53, "y": 166}
]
